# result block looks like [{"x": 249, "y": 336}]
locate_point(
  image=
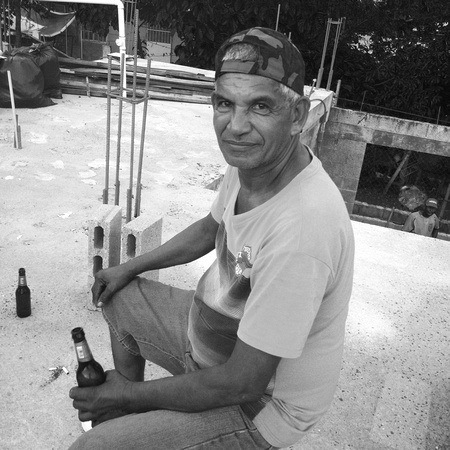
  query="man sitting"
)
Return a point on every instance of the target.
[{"x": 256, "y": 350}]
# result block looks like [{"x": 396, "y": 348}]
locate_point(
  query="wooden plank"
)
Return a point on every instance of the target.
[
  {"x": 101, "y": 73},
  {"x": 155, "y": 92},
  {"x": 153, "y": 95},
  {"x": 71, "y": 62},
  {"x": 67, "y": 75}
]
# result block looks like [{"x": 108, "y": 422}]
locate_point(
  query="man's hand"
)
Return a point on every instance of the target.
[
  {"x": 108, "y": 282},
  {"x": 102, "y": 402}
]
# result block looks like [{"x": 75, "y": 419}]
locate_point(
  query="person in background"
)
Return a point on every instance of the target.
[
  {"x": 424, "y": 222},
  {"x": 256, "y": 351}
]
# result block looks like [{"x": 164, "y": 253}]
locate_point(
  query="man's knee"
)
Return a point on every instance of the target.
[{"x": 91, "y": 440}]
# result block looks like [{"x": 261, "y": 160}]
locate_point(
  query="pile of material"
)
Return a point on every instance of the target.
[
  {"x": 35, "y": 76},
  {"x": 177, "y": 84}
]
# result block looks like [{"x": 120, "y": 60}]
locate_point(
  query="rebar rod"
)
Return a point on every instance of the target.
[
  {"x": 137, "y": 207},
  {"x": 119, "y": 129},
  {"x": 278, "y": 17},
  {"x": 13, "y": 108},
  {"x": 108, "y": 131},
  {"x": 324, "y": 51},
  {"x": 133, "y": 117},
  {"x": 336, "y": 41},
  {"x": 1, "y": 28}
]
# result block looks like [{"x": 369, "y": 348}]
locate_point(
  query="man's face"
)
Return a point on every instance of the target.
[
  {"x": 253, "y": 124},
  {"x": 430, "y": 210}
]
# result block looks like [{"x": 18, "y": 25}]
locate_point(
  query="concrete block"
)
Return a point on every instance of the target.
[
  {"x": 104, "y": 240},
  {"x": 139, "y": 236}
]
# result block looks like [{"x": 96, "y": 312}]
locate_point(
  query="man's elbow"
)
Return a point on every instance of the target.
[{"x": 245, "y": 392}]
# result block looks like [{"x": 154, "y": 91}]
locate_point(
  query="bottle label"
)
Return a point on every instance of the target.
[
  {"x": 83, "y": 351},
  {"x": 22, "y": 281},
  {"x": 80, "y": 353}
]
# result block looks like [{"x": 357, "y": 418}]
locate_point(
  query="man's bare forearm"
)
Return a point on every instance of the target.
[
  {"x": 190, "y": 244},
  {"x": 243, "y": 378}
]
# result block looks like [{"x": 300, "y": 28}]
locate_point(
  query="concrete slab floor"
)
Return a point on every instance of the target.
[{"x": 394, "y": 391}]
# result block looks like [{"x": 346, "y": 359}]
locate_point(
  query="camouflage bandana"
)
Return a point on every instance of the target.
[{"x": 278, "y": 58}]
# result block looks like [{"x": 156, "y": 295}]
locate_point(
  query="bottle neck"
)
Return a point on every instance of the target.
[
  {"x": 22, "y": 280},
  {"x": 83, "y": 351}
]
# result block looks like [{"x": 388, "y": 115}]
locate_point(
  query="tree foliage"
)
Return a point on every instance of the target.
[
  {"x": 404, "y": 64},
  {"x": 394, "y": 53},
  {"x": 97, "y": 18}
]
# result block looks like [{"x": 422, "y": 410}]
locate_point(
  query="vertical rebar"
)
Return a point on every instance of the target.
[
  {"x": 438, "y": 116},
  {"x": 9, "y": 26},
  {"x": 1, "y": 28},
  {"x": 399, "y": 168},
  {"x": 137, "y": 207},
  {"x": 278, "y": 17},
  {"x": 13, "y": 108},
  {"x": 133, "y": 117},
  {"x": 362, "y": 101},
  {"x": 108, "y": 131},
  {"x": 324, "y": 51},
  {"x": 81, "y": 43},
  {"x": 119, "y": 127},
  {"x": 336, "y": 41}
]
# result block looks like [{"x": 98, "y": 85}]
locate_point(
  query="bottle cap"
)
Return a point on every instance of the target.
[
  {"x": 78, "y": 334},
  {"x": 21, "y": 271}
]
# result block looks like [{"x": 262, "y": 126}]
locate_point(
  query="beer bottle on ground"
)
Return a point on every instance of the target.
[
  {"x": 23, "y": 297},
  {"x": 89, "y": 371}
]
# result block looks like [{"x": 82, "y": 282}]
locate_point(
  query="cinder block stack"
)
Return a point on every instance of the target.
[
  {"x": 140, "y": 236},
  {"x": 104, "y": 240},
  {"x": 110, "y": 243}
]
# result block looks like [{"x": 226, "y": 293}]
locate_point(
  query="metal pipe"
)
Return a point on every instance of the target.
[
  {"x": 324, "y": 51},
  {"x": 108, "y": 131},
  {"x": 137, "y": 207},
  {"x": 13, "y": 108},
  {"x": 278, "y": 17},
  {"x": 399, "y": 168},
  {"x": 119, "y": 131},
  {"x": 120, "y": 13},
  {"x": 133, "y": 117},
  {"x": 336, "y": 41},
  {"x": 1, "y": 28}
]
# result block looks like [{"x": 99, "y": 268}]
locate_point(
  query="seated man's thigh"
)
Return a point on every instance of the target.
[
  {"x": 221, "y": 428},
  {"x": 150, "y": 319}
]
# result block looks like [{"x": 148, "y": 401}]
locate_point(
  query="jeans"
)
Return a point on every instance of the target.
[{"x": 150, "y": 319}]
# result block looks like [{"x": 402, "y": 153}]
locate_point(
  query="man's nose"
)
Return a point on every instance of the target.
[{"x": 239, "y": 121}]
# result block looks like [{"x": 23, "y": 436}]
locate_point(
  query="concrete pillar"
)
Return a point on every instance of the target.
[
  {"x": 342, "y": 159},
  {"x": 139, "y": 236},
  {"x": 104, "y": 241}
]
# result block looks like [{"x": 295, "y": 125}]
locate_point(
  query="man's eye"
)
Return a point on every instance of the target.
[
  {"x": 261, "y": 108},
  {"x": 223, "y": 105}
]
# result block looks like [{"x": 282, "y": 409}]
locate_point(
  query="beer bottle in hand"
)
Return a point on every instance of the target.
[
  {"x": 89, "y": 371},
  {"x": 23, "y": 298}
]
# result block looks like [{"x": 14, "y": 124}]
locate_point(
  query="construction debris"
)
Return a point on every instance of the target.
[{"x": 91, "y": 78}]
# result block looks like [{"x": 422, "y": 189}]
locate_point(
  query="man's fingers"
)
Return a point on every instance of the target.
[
  {"x": 77, "y": 393},
  {"x": 84, "y": 416},
  {"x": 104, "y": 297},
  {"x": 98, "y": 289}
]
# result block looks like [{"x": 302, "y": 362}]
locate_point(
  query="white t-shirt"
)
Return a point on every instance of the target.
[{"x": 284, "y": 273}]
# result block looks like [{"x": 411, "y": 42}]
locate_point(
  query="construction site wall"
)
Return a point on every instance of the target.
[{"x": 348, "y": 134}]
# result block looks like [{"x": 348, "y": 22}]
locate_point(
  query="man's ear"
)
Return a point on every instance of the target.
[{"x": 300, "y": 115}]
